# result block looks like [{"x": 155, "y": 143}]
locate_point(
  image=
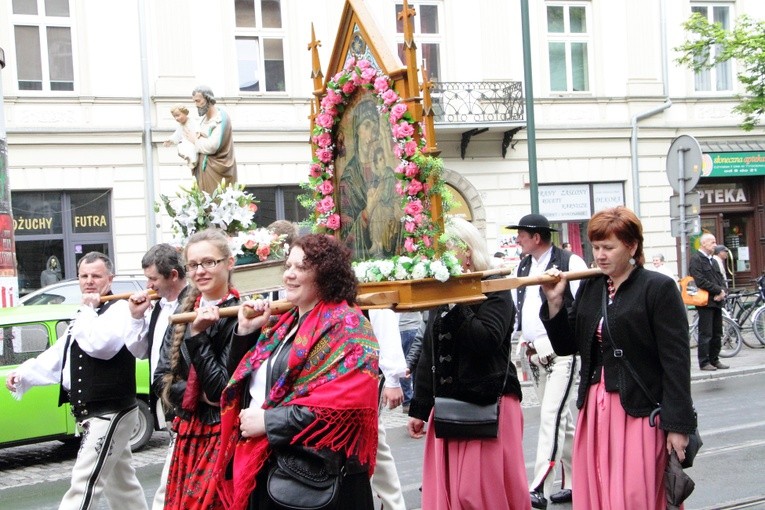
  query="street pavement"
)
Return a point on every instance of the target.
[{"x": 52, "y": 461}]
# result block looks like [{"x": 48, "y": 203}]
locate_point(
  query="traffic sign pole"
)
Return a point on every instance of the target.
[{"x": 681, "y": 197}]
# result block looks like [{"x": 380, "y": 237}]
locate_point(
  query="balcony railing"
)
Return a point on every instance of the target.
[{"x": 471, "y": 102}]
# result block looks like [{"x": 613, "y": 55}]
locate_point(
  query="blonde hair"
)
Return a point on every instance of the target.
[
  {"x": 460, "y": 229},
  {"x": 219, "y": 240}
]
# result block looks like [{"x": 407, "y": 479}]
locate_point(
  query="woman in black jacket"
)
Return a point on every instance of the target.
[
  {"x": 465, "y": 356},
  {"x": 193, "y": 369},
  {"x": 619, "y": 459}
]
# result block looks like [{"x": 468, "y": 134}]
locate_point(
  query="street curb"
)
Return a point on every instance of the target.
[{"x": 719, "y": 374}]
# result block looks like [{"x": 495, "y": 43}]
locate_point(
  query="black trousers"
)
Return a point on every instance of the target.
[{"x": 710, "y": 334}]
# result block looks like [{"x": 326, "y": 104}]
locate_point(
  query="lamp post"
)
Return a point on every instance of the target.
[{"x": 9, "y": 283}]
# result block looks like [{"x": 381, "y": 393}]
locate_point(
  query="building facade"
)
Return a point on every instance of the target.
[{"x": 89, "y": 86}]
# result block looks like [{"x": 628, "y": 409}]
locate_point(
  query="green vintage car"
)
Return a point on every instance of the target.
[{"x": 27, "y": 331}]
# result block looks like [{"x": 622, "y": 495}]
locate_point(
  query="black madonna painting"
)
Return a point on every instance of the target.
[{"x": 370, "y": 208}]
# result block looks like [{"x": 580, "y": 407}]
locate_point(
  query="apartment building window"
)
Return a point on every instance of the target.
[
  {"x": 260, "y": 45},
  {"x": 42, "y": 31},
  {"x": 719, "y": 77},
  {"x": 278, "y": 203},
  {"x": 568, "y": 43},
  {"x": 427, "y": 33}
]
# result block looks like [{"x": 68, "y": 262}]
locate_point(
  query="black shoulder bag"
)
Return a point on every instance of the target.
[
  {"x": 694, "y": 439},
  {"x": 457, "y": 419}
]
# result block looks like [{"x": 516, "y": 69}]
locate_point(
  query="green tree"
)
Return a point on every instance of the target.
[{"x": 745, "y": 43}]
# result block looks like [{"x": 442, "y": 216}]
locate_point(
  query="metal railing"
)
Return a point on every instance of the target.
[{"x": 456, "y": 102}]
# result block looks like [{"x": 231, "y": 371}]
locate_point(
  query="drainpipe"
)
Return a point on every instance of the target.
[
  {"x": 650, "y": 113},
  {"x": 147, "y": 142}
]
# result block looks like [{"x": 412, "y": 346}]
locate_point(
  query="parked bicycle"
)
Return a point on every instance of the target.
[{"x": 743, "y": 311}]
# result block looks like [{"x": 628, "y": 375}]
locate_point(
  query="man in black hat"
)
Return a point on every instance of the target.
[{"x": 554, "y": 376}]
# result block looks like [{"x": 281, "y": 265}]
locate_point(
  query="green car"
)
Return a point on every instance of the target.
[{"x": 27, "y": 331}]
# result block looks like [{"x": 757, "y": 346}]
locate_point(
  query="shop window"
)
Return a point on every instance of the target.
[{"x": 90, "y": 211}]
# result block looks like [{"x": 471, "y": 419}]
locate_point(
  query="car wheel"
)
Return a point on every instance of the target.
[{"x": 143, "y": 429}]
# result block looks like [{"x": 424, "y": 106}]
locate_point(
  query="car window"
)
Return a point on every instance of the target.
[
  {"x": 21, "y": 343},
  {"x": 62, "y": 294},
  {"x": 61, "y": 328}
]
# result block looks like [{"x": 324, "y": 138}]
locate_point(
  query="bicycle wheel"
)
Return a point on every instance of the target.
[
  {"x": 758, "y": 325},
  {"x": 731, "y": 339}
]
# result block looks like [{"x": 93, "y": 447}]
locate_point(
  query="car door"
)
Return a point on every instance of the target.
[{"x": 38, "y": 414}]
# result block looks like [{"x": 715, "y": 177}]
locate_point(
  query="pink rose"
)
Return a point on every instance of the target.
[
  {"x": 409, "y": 226},
  {"x": 404, "y": 129},
  {"x": 331, "y": 112},
  {"x": 410, "y": 148},
  {"x": 263, "y": 252},
  {"x": 426, "y": 188},
  {"x": 412, "y": 170},
  {"x": 325, "y": 188},
  {"x": 418, "y": 219},
  {"x": 363, "y": 64},
  {"x": 315, "y": 170},
  {"x": 397, "y": 112},
  {"x": 398, "y": 151},
  {"x": 368, "y": 74},
  {"x": 413, "y": 208},
  {"x": 426, "y": 241},
  {"x": 333, "y": 97},
  {"x": 333, "y": 221},
  {"x": 350, "y": 64},
  {"x": 250, "y": 244},
  {"x": 349, "y": 87},
  {"x": 324, "y": 155},
  {"x": 409, "y": 245},
  {"x": 323, "y": 140},
  {"x": 401, "y": 168},
  {"x": 399, "y": 188},
  {"x": 381, "y": 84},
  {"x": 414, "y": 187},
  {"x": 325, "y": 205},
  {"x": 389, "y": 97},
  {"x": 253, "y": 208},
  {"x": 325, "y": 120}
]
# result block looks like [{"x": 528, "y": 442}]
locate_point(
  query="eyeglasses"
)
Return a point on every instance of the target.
[{"x": 207, "y": 264}]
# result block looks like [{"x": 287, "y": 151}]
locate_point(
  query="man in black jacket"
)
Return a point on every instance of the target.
[
  {"x": 164, "y": 269},
  {"x": 705, "y": 272}
]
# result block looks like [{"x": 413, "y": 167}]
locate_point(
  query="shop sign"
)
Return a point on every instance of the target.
[
  {"x": 607, "y": 194},
  {"x": 723, "y": 194},
  {"x": 565, "y": 202},
  {"x": 732, "y": 164}
]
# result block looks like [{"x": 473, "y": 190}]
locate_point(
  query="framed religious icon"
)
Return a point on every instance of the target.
[{"x": 373, "y": 181}]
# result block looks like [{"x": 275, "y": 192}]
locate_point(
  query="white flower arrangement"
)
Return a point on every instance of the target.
[{"x": 408, "y": 268}]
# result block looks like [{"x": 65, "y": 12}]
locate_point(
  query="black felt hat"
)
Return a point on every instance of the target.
[{"x": 533, "y": 222}]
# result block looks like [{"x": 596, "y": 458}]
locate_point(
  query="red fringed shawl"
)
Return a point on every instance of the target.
[{"x": 332, "y": 369}]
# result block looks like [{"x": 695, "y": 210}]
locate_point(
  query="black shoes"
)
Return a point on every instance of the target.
[
  {"x": 563, "y": 496},
  {"x": 721, "y": 366},
  {"x": 538, "y": 500},
  {"x": 709, "y": 367}
]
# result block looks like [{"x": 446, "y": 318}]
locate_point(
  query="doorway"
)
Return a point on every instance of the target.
[{"x": 736, "y": 232}]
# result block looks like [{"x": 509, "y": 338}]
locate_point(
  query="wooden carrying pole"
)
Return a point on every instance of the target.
[
  {"x": 390, "y": 298},
  {"x": 126, "y": 295}
]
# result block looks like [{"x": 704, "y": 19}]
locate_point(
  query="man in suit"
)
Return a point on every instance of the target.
[
  {"x": 707, "y": 275},
  {"x": 165, "y": 273},
  {"x": 554, "y": 376},
  {"x": 94, "y": 363}
]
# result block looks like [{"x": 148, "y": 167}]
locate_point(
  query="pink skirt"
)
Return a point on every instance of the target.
[
  {"x": 478, "y": 474},
  {"x": 618, "y": 460}
]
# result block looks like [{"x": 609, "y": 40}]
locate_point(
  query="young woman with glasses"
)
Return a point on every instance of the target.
[{"x": 194, "y": 368}]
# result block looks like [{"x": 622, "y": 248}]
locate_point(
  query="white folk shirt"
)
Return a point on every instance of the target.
[
  {"x": 159, "y": 330},
  {"x": 533, "y": 329},
  {"x": 392, "y": 360},
  {"x": 100, "y": 336}
]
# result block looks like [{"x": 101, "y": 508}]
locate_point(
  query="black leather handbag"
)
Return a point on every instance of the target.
[
  {"x": 454, "y": 418},
  {"x": 305, "y": 479},
  {"x": 694, "y": 438}
]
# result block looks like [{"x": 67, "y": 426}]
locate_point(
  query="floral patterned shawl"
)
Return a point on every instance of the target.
[{"x": 332, "y": 369}]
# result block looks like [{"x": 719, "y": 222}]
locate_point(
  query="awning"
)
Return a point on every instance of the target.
[
  {"x": 733, "y": 158},
  {"x": 732, "y": 146}
]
